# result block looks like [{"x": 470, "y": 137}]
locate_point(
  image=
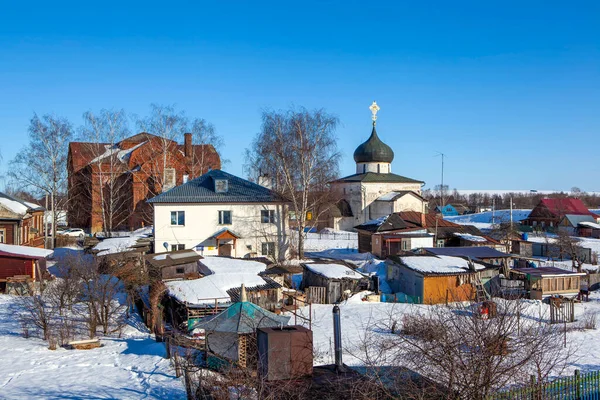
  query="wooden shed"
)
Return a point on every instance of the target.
[
  {"x": 327, "y": 283},
  {"x": 549, "y": 281},
  {"x": 21, "y": 264},
  {"x": 435, "y": 279},
  {"x": 181, "y": 264}
]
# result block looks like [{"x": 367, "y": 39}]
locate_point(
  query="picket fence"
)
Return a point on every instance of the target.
[{"x": 577, "y": 387}]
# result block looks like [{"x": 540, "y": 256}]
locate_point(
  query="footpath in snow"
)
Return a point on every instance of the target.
[{"x": 131, "y": 367}]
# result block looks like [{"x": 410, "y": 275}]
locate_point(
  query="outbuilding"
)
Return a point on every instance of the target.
[
  {"x": 21, "y": 265},
  {"x": 328, "y": 282}
]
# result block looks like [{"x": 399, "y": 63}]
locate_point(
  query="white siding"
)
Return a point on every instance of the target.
[{"x": 202, "y": 222}]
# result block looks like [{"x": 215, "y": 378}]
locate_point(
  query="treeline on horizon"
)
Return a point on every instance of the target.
[{"x": 502, "y": 201}]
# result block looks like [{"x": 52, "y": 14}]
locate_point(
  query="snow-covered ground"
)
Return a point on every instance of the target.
[
  {"x": 484, "y": 220},
  {"x": 330, "y": 239},
  {"x": 122, "y": 243},
  {"x": 361, "y": 319},
  {"x": 131, "y": 367}
]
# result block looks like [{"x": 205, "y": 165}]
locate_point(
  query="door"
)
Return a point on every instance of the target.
[{"x": 225, "y": 250}]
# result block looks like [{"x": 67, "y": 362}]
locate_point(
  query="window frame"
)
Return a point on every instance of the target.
[
  {"x": 179, "y": 218},
  {"x": 224, "y": 188},
  {"x": 221, "y": 217},
  {"x": 269, "y": 246},
  {"x": 177, "y": 247},
  {"x": 267, "y": 216}
]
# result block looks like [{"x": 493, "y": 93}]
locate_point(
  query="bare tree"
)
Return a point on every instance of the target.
[
  {"x": 569, "y": 246},
  {"x": 42, "y": 165},
  {"x": 108, "y": 174},
  {"x": 205, "y": 135},
  {"x": 472, "y": 357},
  {"x": 297, "y": 149}
]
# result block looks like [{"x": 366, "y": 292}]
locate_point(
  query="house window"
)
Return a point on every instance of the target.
[
  {"x": 178, "y": 218},
  {"x": 405, "y": 245},
  {"x": 175, "y": 247},
  {"x": 170, "y": 178},
  {"x": 221, "y": 186},
  {"x": 268, "y": 249},
  {"x": 267, "y": 216},
  {"x": 224, "y": 217},
  {"x": 179, "y": 270},
  {"x": 439, "y": 243},
  {"x": 2, "y": 236}
]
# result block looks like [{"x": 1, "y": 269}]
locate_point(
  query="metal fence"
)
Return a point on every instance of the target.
[{"x": 577, "y": 387}]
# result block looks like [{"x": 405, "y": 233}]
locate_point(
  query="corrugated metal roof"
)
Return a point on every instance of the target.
[
  {"x": 202, "y": 190},
  {"x": 235, "y": 293},
  {"x": 473, "y": 252}
]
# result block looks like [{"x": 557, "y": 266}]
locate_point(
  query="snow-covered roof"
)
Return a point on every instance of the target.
[
  {"x": 334, "y": 271},
  {"x": 590, "y": 224},
  {"x": 122, "y": 155},
  {"x": 25, "y": 250},
  {"x": 120, "y": 244},
  {"x": 226, "y": 273},
  {"x": 438, "y": 264},
  {"x": 469, "y": 237},
  {"x": 17, "y": 206}
]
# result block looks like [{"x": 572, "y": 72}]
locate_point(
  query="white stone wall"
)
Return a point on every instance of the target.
[
  {"x": 419, "y": 242},
  {"x": 202, "y": 222},
  {"x": 379, "y": 168}
]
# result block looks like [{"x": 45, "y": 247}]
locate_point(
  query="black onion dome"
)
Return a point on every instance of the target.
[{"x": 373, "y": 150}]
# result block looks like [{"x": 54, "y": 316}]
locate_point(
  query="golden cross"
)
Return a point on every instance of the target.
[{"x": 374, "y": 108}]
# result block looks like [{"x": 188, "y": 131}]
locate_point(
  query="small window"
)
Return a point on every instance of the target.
[
  {"x": 2, "y": 236},
  {"x": 221, "y": 185},
  {"x": 439, "y": 243},
  {"x": 179, "y": 270},
  {"x": 405, "y": 245},
  {"x": 224, "y": 217},
  {"x": 178, "y": 218},
  {"x": 175, "y": 247},
  {"x": 267, "y": 216},
  {"x": 268, "y": 249},
  {"x": 292, "y": 215}
]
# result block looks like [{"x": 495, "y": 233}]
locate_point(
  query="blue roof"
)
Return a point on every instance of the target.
[{"x": 202, "y": 190}]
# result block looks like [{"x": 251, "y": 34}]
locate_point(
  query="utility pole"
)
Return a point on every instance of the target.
[
  {"x": 511, "y": 214},
  {"x": 442, "y": 187}
]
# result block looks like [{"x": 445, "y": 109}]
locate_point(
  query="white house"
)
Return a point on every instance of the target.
[
  {"x": 374, "y": 191},
  {"x": 221, "y": 214}
]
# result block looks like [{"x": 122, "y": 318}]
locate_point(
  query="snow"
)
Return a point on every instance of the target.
[
  {"x": 334, "y": 271},
  {"x": 470, "y": 238},
  {"x": 364, "y": 321},
  {"x": 388, "y": 196},
  {"x": 119, "y": 244},
  {"x": 227, "y": 273},
  {"x": 438, "y": 264},
  {"x": 14, "y": 206},
  {"x": 122, "y": 155},
  {"x": 590, "y": 224},
  {"x": 25, "y": 250},
  {"x": 483, "y": 220},
  {"x": 131, "y": 367},
  {"x": 328, "y": 240}
]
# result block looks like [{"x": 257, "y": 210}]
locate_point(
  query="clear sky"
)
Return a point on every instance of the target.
[{"x": 509, "y": 91}]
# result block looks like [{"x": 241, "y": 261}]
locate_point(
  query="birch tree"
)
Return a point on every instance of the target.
[
  {"x": 41, "y": 166},
  {"x": 204, "y": 134},
  {"x": 297, "y": 149},
  {"x": 102, "y": 133}
]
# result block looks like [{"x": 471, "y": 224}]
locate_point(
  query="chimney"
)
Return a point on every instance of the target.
[
  {"x": 337, "y": 339},
  {"x": 423, "y": 221},
  {"x": 243, "y": 295},
  {"x": 187, "y": 145}
]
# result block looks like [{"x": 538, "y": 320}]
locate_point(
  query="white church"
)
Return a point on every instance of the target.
[{"x": 374, "y": 191}]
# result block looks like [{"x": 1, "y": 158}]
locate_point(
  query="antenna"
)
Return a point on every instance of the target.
[{"x": 439, "y": 153}]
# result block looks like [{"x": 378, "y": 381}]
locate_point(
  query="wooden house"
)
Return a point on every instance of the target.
[
  {"x": 435, "y": 279},
  {"x": 549, "y": 213},
  {"x": 588, "y": 229},
  {"x": 544, "y": 282},
  {"x": 21, "y": 266},
  {"x": 447, "y": 211},
  {"x": 330, "y": 283},
  {"x": 21, "y": 222}
]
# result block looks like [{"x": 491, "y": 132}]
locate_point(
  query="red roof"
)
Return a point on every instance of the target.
[
  {"x": 414, "y": 217},
  {"x": 568, "y": 205}
]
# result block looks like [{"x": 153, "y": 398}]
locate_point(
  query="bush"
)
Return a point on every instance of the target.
[{"x": 589, "y": 320}]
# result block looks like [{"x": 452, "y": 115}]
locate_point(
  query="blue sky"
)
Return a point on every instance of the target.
[{"x": 510, "y": 92}]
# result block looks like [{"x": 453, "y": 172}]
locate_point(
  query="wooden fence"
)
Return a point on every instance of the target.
[{"x": 576, "y": 387}]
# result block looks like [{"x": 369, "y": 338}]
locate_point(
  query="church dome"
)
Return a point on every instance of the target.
[{"x": 373, "y": 150}]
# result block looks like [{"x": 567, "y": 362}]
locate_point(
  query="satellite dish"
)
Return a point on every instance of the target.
[{"x": 166, "y": 245}]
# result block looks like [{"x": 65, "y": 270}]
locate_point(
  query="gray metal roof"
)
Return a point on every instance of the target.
[
  {"x": 375, "y": 177},
  {"x": 576, "y": 219},
  {"x": 471, "y": 251},
  {"x": 202, "y": 190}
]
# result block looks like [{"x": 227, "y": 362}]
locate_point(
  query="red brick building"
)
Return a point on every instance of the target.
[
  {"x": 115, "y": 181},
  {"x": 21, "y": 222}
]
